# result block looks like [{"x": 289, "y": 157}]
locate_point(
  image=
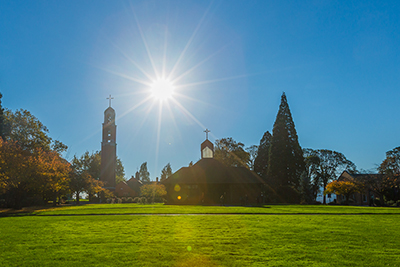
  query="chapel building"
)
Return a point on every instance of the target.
[{"x": 210, "y": 182}]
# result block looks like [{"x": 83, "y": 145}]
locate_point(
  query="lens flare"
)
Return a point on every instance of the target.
[
  {"x": 162, "y": 89},
  {"x": 177, "y": 188}
]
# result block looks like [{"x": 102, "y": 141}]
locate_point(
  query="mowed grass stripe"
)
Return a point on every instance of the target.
[
  {"x": 186, "y": 209},
  {"x": 220, "y": 240}
]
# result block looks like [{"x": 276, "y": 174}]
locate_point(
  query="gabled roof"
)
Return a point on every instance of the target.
[
  {"x": 132, "y": 182},
  {"x": 207, "y": 143},
  {"x": 211, "y": 171},
  {"x": 349, "y": 176}
]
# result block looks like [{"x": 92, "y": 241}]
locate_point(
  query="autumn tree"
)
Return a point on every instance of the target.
[
  {"x": 23, "y": 174},
  {"x": 85, "y": 175},
  {"x": 153, "y": 192},
  {"x": 51, "y": 174},
  {"x": 166, "y": 172},
  {"x": 262, "y": 158},
  {"x": 286, "y": 162},
  {"x": 329, "y": 166},
  {"x": 345, "y": 188},
  {"x": 15, "y": 173},
  {"x": 33, "y": 168},
  {"x": 26, "y": 130},
  {"x": 231, "y": 153},
  {"x": 144, "y": 174}
]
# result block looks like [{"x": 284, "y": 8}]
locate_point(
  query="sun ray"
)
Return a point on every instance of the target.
[
  {"x": 158, "y": 132},
  {"x": 199, "y": 64},
  {"x": 135, "y": 107},
  {"x": 196, "y": 100},
  {"x": 128, "y": 57},
  {"x": 165, "y": 53},
  {"x": 145, "y": 43},
  {"x": 215, "y": 80},
  {"x": 124, "y": 76},
  {"x": 172, "y": 116},
  {"x": 173, "y": 120},
  {"x": 189, "y": 42},
  {"x": 188, "y": 113}
]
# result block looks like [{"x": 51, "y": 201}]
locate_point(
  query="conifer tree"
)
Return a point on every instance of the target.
[
  {"x": 166, "y": 172},
  {"x": 261, "y": 161},
  {"x": 1, "y": 118},
  {"x": 144, "y": 174},
  {"x": 286, "y": 162}
]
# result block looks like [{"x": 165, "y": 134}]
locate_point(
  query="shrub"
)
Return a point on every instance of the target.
[
  {"x": 153, "y": 192},
  {"x": 140, "y": 200}
]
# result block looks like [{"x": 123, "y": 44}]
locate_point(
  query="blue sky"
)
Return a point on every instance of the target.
[{"x": 337, "y": 61}]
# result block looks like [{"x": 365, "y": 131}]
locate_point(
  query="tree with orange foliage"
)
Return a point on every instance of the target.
[
  {"x": 25, "y": 174},
  {"x": 51, "y": 174},
  {"x": 345, "y": 188},
  {"x": 31, "y": 168},
  {"x": 14, "y": 172}
]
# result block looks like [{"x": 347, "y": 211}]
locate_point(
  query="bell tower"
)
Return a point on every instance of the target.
[{"x": 108, "y": 148}]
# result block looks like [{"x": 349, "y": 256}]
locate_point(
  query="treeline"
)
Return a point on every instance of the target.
[
  {"x": 32, "y": 169},
  {"x": 296, "y": 175}
]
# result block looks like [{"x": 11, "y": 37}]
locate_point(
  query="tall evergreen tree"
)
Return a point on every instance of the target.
[
  {"x": 253, "y": 151},
  {"x": 261, "y": 161},
  {"x": 144, "y": 174},
  {"x": 166, "y": 172},
  {"x": 286, "y": 162},
  {"x": 1, "y": 118}
]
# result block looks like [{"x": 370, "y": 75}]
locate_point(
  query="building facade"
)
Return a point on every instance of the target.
[{"x": 108, "y": 149}]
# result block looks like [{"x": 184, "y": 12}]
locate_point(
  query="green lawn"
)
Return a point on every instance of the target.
[
  {"x": 187, "y": 209},
  {"x": 323, "y": 239}
]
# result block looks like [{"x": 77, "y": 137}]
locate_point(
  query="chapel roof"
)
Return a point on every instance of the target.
[{"x": 211, "y": 171}]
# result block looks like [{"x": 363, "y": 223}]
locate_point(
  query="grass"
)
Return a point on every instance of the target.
[
  {"x": 325, "y": 239},
  {"x": 187, "y": 209}
]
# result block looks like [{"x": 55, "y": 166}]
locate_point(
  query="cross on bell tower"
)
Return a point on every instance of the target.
[
  {"x": 109, "y": 148},
  {"x": 109, "y": 98}
]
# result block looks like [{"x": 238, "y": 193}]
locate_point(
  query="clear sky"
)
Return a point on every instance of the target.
[{"x": 230, "y": 61}]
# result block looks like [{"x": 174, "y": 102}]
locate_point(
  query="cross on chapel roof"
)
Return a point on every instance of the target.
[{"x": 207, "y": 131}]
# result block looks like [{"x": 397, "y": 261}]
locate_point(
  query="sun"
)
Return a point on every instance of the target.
[{"x": 162, "y": 89}]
